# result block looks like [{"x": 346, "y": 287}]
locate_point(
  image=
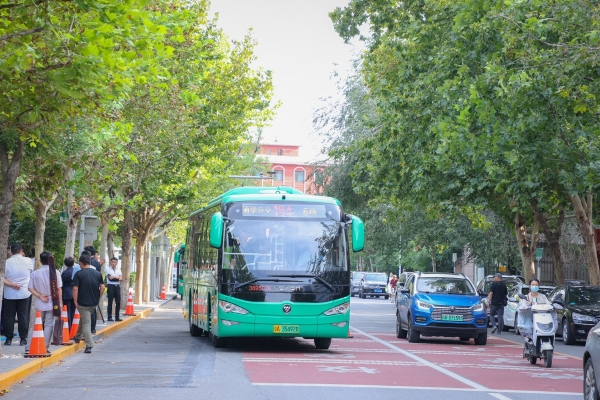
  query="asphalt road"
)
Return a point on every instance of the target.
[{"x": 157, "y": 358}]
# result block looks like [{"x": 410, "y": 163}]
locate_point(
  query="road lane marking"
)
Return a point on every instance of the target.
[
  {"x": 334, "y": 385},
  {"x": 444, "y": 371},
  {"x": 499, "y": 396}
]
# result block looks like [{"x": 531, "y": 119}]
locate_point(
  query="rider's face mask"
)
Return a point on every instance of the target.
[{"x": 534, "y": 288}]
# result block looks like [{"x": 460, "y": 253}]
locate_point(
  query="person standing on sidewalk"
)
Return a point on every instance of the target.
[
  {"x": 17, "y": 297},
  {"x": 67, "y": 276},
  {"x": 39, "y": 286},
  {"x": 96, "y": 264},
  {"x": 113, "y": 281},
  {"x": 496, "y": 302},
  {"x": 87, "y": 289}
]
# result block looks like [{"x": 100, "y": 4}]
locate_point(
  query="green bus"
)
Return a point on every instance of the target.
[{"x": 269, "y": 262}]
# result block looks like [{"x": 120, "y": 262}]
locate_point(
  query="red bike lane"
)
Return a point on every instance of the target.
[{"x": 382, "y": 360}]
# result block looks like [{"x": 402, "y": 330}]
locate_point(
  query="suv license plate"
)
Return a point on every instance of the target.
[
  {"x": 377, "y": 290},
  {"x": 286, "y": 328},
  {"x": 451, "y": 317}
]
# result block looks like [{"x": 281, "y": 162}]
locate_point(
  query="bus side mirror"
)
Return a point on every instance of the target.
[
  {"x": 216, "y": 230},
  {"x": 358, "y": 234}
]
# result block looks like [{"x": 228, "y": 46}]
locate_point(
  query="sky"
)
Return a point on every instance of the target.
[{"x": 297, "y": 42}]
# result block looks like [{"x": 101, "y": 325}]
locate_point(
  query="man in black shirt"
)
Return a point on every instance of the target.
[
  {"x": 96, "y": 264},
  {"x": 87, "y": 289},
  {"x": 497, "y": 301}
]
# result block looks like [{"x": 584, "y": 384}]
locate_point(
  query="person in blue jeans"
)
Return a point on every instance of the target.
[{"x": 496, "y": 302}]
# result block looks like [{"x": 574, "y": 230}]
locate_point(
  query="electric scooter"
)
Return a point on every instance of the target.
[{"x": 537, "y": 323}]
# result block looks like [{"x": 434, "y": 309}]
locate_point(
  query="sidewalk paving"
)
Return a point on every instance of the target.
[{"x": 14, "y": 366}]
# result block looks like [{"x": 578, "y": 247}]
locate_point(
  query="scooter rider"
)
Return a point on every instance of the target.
[{"x": 534, "y": 297}]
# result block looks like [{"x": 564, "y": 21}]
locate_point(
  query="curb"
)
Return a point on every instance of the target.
[{"x": 8, "y": 379}]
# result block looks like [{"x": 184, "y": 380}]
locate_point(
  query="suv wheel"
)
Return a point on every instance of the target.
[
  {"x": 567, "y": 333},
  {"x": 413, "y": 336},
  {"x": 400, "y": 333},
  {"x": 590, "y": 386},
  {"x": 363, "y": 296},
  {"x": 481, "y": 340}
]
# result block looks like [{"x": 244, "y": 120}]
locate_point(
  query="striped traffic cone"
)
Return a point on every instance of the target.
[
  {"x": 65, "y": 328},
  {"x": 129, "y": 309},
  {"x": 38, "y": 346},
  {"x": 163, "y": 292},
  {"x": 75, "y": 325}
]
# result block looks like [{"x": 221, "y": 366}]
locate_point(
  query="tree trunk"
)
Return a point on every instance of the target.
[
  {"x": 41, "y": 207},
  {"x": 587, "y": 233},
  {"x": 10, "y": 172},
  {"x": 125, "y": 256},
  {"x": 433, "y": 263},
  {"x": 147, "y": 255},
  {"x": 103, "y": 240},
  {"x": 140, "y": 250},
  {"x": 110, "y": 245},
  {"x": 72, "y": 218},
  {"x": 553, "y": 238},
  {"x": 526, "y": 249}
]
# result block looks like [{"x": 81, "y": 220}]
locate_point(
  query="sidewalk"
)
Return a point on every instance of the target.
[{"x": 14, "y": 366}]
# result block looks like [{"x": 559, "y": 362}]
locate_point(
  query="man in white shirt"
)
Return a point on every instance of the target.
[
  {"x": 17, "y": 298},
  {"x": 39, "y": 286},
  {"x": 113, "y": 281}
]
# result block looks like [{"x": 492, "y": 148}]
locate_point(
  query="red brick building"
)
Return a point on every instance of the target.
[{"x": 291, "y": 169}]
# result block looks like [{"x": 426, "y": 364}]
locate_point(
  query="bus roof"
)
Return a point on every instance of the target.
[{"x": 265, "y": 193}]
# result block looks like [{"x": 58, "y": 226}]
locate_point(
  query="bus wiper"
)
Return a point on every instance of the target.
[
  {"x": 240, "y": 285},
  {"x": 315, "y": 277}
]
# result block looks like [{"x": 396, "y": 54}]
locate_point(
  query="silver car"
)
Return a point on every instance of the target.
[
  {"x": 591, "y": 365},
  {"x": 510, "y": 310}
]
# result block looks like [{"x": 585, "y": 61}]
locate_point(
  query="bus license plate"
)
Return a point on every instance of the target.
[
  {"x": 286, "y": 328},
  {"x": 451, "y": 317},
  {"x": 377, "y": 290}
]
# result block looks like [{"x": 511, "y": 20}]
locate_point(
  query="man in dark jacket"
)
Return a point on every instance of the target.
[
  {"x": 497, "y": 301},
  {"x": 87, "y": 289},
  {"x": 96, "y": 264}
]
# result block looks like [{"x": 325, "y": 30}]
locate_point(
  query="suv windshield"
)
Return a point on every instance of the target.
[
  {"x": 584, "y": 296},
  {"x": 445, "y": 285},
  {"x": 376, "y": 278}
]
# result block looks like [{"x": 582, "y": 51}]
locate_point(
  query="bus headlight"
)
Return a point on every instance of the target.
[
  {"x": 229, "y": 307},
  {"x": 341, "y": 309}
]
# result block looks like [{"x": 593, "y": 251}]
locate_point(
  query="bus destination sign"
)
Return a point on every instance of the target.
[{"x": 284, "y": 210}]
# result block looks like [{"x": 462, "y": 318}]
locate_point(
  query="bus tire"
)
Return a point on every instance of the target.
[
  {"x": 194, "y": 330},
  {"x": 322, "y": 343},
  {"x": 217, "y": 341}
]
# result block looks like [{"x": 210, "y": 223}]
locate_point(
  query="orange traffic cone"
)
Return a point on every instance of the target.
[
  {"x": 75, "y": 326},
  {"x": 38, "y": 346},
  {"x": 65, "y": 324},
  {"x": 163, "y": 292},
  {"x": 129, "y": 309}
]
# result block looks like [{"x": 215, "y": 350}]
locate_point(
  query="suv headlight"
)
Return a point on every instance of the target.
[
  {"x": 422, "y": 304},
  {"x": 583, "y": 318},
  {"x": 477, "y": 307},
  {"x": 341, "y": 309},
  {"x": 229, "y": 307}
]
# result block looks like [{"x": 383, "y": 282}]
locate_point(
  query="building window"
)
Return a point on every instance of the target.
[
  {"x": 279, "y": 175},
  {"x": 269, "y": 152},
  {"x": 280, "y": 152},
  {"x": 299, "y": 176}
]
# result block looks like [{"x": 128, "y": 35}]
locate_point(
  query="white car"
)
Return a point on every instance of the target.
[{"x": 510, "y": 310}]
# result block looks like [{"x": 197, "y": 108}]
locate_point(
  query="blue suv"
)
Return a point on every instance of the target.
[{"x": 440, "y": 304}]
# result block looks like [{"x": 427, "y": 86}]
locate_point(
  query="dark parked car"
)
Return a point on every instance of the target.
[
  {"x": 591, "y": 365},
  {"x": 578, "y": 310},
  {"x": 355, "y": 282},
  {"x": 374, "y": 284}
]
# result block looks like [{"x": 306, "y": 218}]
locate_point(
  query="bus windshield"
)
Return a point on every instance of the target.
[{"x": 286, "y": 247}]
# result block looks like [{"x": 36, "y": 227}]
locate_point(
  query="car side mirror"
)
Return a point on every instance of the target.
[
  {"x": 401, "y": 284},
  {"x": 513, "y": 299},
  {"x": 404, "y": 291},
  {"x": 558, "y": 305}
]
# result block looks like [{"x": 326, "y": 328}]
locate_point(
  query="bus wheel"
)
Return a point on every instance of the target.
[
  {"x": 194, "y": 330},
  {"x": 217, "y": 341},
  {"x": 322, "y": 343}
]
